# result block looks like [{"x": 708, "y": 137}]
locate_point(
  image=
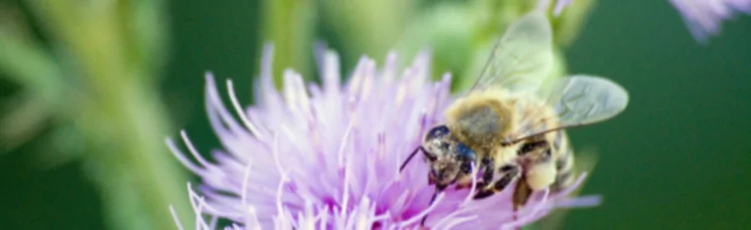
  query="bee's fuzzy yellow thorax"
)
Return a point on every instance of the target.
[{"x": 500, "y": 101}]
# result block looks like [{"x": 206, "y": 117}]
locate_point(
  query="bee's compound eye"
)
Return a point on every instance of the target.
[{"x": 438, "y": 131}]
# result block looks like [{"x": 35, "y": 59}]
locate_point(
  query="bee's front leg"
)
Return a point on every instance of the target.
[{"x": 508, "y": 173}]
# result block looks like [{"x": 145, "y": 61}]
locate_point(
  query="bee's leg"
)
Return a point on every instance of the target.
[
  {"x": 522, "y": 193},
  {"x": 487, "y": 166},
  {"x": 508, "y": 174}
]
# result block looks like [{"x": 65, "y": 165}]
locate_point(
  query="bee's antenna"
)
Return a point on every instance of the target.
[{"x": 411, "y": 155}]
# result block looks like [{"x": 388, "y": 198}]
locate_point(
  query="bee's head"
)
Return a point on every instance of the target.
[{"x": 449, "y": 159}]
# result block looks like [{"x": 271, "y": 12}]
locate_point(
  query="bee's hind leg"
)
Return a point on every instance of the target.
[{"x": 508, "y": 173}]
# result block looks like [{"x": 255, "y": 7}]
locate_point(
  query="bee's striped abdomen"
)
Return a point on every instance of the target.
[{"x": 564, "y": 163}]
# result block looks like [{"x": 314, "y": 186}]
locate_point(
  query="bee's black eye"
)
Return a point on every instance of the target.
[
  {"x": 438, "y": 131},
  {"x": 466, "y": 167}
]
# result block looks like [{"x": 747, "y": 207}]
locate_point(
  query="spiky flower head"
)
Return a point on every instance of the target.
[
  {"x": 328, "y": 157},
  {"x": 704, "y": 17}
]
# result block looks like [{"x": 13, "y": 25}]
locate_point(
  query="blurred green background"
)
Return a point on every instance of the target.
[{"x": 678, "y": 158}]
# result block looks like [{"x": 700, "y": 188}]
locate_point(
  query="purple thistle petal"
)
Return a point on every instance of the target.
[
  {"x": 544, "y": 5},
  {"x": 560, "y": 4},
  {"x": 329, "y": 159},
  {"x": 704, "y": 17}
]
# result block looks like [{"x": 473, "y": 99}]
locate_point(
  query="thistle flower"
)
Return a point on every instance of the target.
[
  {"x": 328, "y": 157},
  {"x": 704, "y": 17}
]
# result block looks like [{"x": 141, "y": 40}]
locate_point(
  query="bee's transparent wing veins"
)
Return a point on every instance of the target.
[
  {"x": 522, "y": 58},
  {"x": 579, "y": 100}
]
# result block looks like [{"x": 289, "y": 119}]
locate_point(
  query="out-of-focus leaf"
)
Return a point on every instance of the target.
[
  {"x": 26, "y": 63},
  {"x": 566, "y": 27},
  {"x": 23, "y": 122},
  {"x": 62, "y": 145},
  {"x": 145, "y": 31},
  {"x": 448, "y": 32},
  {"x": 121, "y": 119},
  {"x": 289, "y": 25},
  {"x": 369, "y": 28}
]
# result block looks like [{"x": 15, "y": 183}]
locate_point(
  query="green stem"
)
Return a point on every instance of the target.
[
  {"x": 138, "y": 178},
  {"x": 289, "y": 25},
  {"x": 120, "y": 115}
]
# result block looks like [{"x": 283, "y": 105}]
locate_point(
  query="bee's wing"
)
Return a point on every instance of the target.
[
  {"x": 578, "y": 100},
  {"x": 521, "y": 59}
]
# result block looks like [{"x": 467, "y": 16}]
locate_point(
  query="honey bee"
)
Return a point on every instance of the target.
[{"x": 510, "y": 125}]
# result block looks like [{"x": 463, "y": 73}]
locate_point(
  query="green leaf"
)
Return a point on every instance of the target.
[
  {"x": 289, "y": 25},
  {"x": 448, "y": 31}
]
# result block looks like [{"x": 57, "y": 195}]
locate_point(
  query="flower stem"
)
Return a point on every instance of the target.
[
  {"x": 117, "y": 109},
  {"x": 290, "y": 25}
]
